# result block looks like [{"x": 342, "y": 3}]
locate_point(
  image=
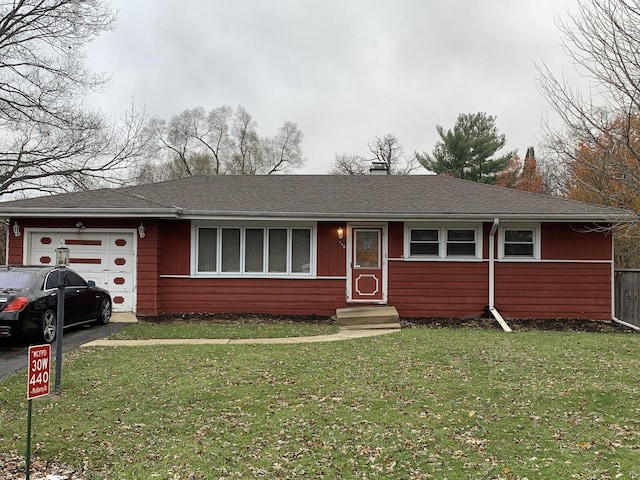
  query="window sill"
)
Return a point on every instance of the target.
[
  {"x": 437, "y": 259},
  {"x": 302, "y": 276}
]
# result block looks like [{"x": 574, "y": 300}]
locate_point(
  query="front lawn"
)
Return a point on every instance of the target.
[
  {"x": 235, "y": 330},
  {"x": 417, "y": 404}
]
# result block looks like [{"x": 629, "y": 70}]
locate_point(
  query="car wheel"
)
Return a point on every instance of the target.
[
  {"x": 104, "y": 314},
  {"x": 48, "y": 326}
]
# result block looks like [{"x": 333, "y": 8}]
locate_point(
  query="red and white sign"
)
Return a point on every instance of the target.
[{"x": 39, "y": 371}]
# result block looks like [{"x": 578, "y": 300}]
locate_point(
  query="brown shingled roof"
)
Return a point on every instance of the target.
[{"x": 313, "y": 196}]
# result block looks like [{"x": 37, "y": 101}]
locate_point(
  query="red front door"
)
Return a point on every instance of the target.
[{"x": 366, "y": 265}]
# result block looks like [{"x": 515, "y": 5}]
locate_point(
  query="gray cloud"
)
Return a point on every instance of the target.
[{"x": 345, "y": 71}]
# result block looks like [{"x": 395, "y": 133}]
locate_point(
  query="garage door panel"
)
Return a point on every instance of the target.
[
  {"x": 93, "y": 262},
  {"x": 120, "y": 242},
  {"x": 120, "y": 262},
  {"x": 83, "y": 243},
  {"x": 120, "y": 281},
  {"x": 107, "y": 258},
  {"x": 122, "y": 303}
]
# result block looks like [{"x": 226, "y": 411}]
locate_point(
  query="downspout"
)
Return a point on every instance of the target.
[
  {"x": 625, "y": 324},
  {"x": 613, "y": 294},
  {"x": 492, "y": 277}
]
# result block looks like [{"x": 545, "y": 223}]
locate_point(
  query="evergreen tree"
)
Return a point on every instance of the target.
[{"x": 468, "y": 151}]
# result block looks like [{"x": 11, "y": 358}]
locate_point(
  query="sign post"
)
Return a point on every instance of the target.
[
  {"x": 62, "y": 260},
  {"x": 37, "y": 386}
]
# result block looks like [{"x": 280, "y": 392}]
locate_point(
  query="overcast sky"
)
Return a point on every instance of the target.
[{"x": 345, "y": 71}]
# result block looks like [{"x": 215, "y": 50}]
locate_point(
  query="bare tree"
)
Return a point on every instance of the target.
[
  {"x": 215, "y": 136},
  {"x": 48, "y": 141},
  {"x": 174, "y": 136},
  {"x": 388, "y": 155},
  {"x": 346, "y": 164},
  {"x": 603, "y": 41},
  {"x": 221, "y": 141},
  {"x": 282, "y": 152},
  {"x": 244, "y": 159},
  {"x": 387, "y": 151},
  {"x": 597, "y": 150}
]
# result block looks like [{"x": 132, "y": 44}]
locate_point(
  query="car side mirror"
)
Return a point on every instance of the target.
[{"x": 91, "y": 283}]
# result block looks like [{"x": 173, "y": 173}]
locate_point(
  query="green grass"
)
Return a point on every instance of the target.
[
  {"x": 421, "y": 403},
  {"x": 234, "y": 330}
]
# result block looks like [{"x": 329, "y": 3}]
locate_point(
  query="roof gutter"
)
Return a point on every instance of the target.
[
  {"x": 177, "y": 212},
  {"x": 378, "y": 216},
  {"x": 492, "y": 276},
  {"x": 23, "y": 212}
]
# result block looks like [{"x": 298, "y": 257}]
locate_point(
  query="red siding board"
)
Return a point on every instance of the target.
[
  {"x": 332, "y": 257},
  {"x": 16, "y": 249},
  {"x": 175, "y": 242},
  {"x": 396, "y": 239},
  {"x": 291, "y": 297},
  {"x": 148, "y": 295},
  {"x": 551, "y": 290},
  {"x": 438, "y": 289},
  {"x": 561, "y": 241}
]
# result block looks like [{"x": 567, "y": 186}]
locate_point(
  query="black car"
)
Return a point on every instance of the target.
[{"x": 29, "y": 298}]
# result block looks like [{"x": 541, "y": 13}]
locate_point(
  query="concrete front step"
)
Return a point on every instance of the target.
[
  {"x": 377, "y": 326},
  {"x": 368, "y": 317}
]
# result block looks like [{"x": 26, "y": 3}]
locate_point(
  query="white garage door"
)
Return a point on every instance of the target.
[{"x": 107, "y": 258}]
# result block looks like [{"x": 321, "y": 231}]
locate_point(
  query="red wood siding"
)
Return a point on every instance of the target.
[
  {"x": 332, "y": 257},
  {"x": 252, "y": 295},
  {"x": 16, "y": 246},
  {"x": 562, "y": 241},
  {"x": 396, "y": 239},
  {"x": 149, "y": 270},
  {"x": 175, "y": 247},
  {"x": 569, "y": 288},
  {"x": 486, "y": 230},
  {"x": 438, "y": 289},
  {"x": 554, "y": 290}
]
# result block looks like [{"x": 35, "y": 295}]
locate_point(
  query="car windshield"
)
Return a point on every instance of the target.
[{"x": 15, "y": 279}]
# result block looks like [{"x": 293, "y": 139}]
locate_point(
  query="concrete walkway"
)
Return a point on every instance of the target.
[{"x": 343, "y": 334}]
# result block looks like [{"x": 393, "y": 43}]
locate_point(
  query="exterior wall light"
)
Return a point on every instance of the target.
[
  {"x": 141, "y": 233},
  {"x": 62, "y": 256},
  {"x": 16, "y": 229},
  {"x": 341, "y": 236}
]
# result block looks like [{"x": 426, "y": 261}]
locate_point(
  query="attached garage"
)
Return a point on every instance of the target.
[{"x": 105, "y": 256}]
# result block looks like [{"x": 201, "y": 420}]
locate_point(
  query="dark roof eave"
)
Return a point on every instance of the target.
[
  {"x": 177, "y": 212},
  {"x": 62, "y": 212},
  {"x": 383, "y": 216}
]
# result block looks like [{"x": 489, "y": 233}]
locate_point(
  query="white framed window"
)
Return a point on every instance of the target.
[
  {"x": 253, "y": 250},
  {"x": 424, "y": 242},
  {"x": 461, "y": 242},
  {"x": 519, "y": 242},
  {"x": 450, "y": 242}
]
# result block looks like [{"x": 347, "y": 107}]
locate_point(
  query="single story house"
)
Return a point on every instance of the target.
[{"x": 430, "y": 245}]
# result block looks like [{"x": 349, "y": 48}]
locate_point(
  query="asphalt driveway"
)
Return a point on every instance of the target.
[{"x": 14, "y": 354}]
